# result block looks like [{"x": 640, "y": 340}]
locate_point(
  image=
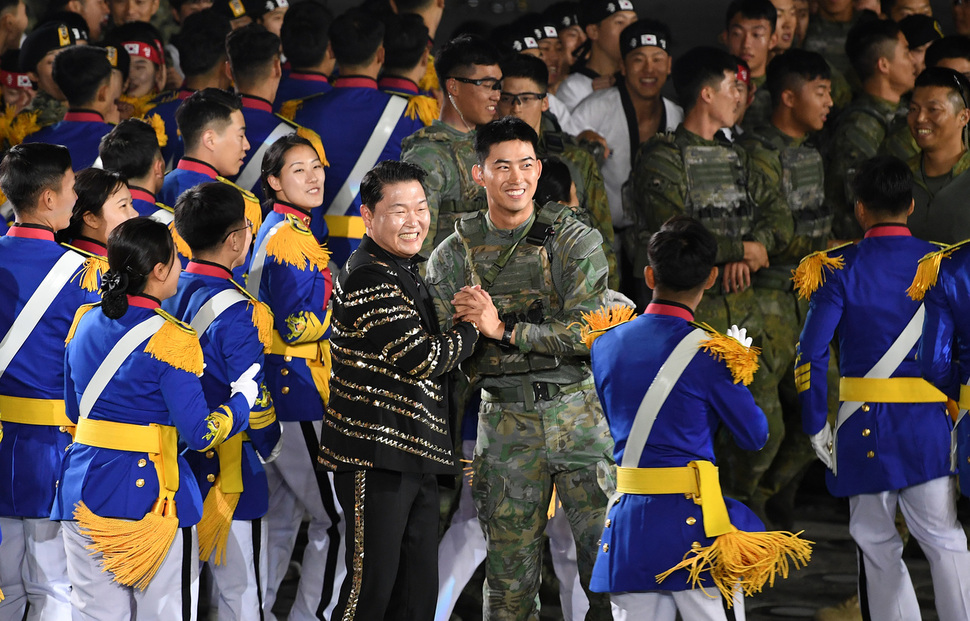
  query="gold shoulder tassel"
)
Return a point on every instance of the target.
[
  {"x": 159, "y": 126},
  {"x": 429, "y": 81},
  {"x": 254, "y": 212},
  {"x": 314, "y": 138},
  {"x": 740, "y": 360},
  {"x": 176, "y": 344},
  {"x": 602, "y": 319},
  {"x": 423, "y": 107},
  {"x": 289, "y": 109},
  {"x": 295, "y": 245},
  {"x": 263, "y": 320},
  {"x": 221, "y": 501},
  {"x": 928, "y": 271},
  {"x": 84, "y": 308},
  {"x": 810, "y": 273},
  {"x": 180, "y": 244},
  {"x": 92, "y": 270},
  {"x": 23, "y": 125},
  {"x": 743, "y": 560}
]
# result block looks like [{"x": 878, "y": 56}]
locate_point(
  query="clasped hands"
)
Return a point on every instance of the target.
[
  {"x": 474, "y": 304},
  {"x": 737, "y": 274}
]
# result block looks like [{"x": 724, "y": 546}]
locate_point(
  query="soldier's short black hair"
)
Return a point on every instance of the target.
[
  {"x": 698, "y": 68},
  {"x": 525, "y": 66},
  {"x": 251, "y": 51},
  {"x": 884, "y": 184},
  {"x": 130, "y": 149},
  {"x": 458, "y": 57},
  {"x": 951, "y": 46},
  {"x": 788, "y": 71},
  {"x": 93, "y": 187},
  {"x": 384, "y": 174},
  {"x": 275, "y": 157},
  {"x": 405, "y": 41},
  {"x": 868, "y": 41},
  {"x": 682, "y": 254},
  {"x": 943, "y": 77},
  {"x": 79, "y": 71},
  {"x": 355, "y": 37},
  {"x": 554, "y": 182},
  {"x": 201, "y": 42},
  {"x": 208, "y": 108},
  {"x": 206, "y": 213},
  {"x": 30, "y": 168},
  {"x": 305, "y": 34},
  {"x": 506, "y": 129},
  {"x": 752, "y": 9}
]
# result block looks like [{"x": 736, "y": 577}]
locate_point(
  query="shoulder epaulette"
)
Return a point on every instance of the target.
[
  {"x": 176, "y": 344},
  {"x": 254, "y": 213},
  {"x": 142, "y": 105},
  {"x": 84, "y": 308},
  {"x": 164, "y": 207},
  {"x": 94, "y": 267},
  {"x": 295, "y": 245},
  {"x": 810, "y": 273},
  {"x": 314, "y": 139},
  {"x": 181, "y": 245},
  {"x": 928, "y": 270},
  {"x": 429, "y": 81},
  {"x": 289, "y": 108},
  {"x": 166, "y": 97},
  {"x": 603, "y": 319},
  {"x": 23, "y": 125},
  {"x": 158, "y": 125},
  {"x": 424, "y": 108},
  {"x": 741, "y": 361},
  {"x": 262, "y": 316}
]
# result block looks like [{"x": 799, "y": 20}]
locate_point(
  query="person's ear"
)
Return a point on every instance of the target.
[
  {"x": 158, "y": 168},
  {"x": 883, "y": 65},
  {"x": 650, "y": 277},
  {"x": 90, "y": 220},
  {"x": 365, "y": 213},
  {"x": 477, "y": 175},
  {"x": 711, "y": 278},
  {"x": 788, "y": 98},
  {"x": 861, "y": 215},
  {"x": 380, "y": 55},
  {"x": 228, "y": 70},
  {"x": 912, "y": 206},
  {"x": 274, "y": 182}
]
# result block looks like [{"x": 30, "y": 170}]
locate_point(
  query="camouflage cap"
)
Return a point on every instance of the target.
[{"x": 44, "y": 39}]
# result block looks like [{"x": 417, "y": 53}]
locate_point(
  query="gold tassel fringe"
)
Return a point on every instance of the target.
[
  {"x": 263, "y": 320},
  {"x": 132, "y": 550},
  {"x": 176, "y": 346},
  {"x": 927, "y": 272},
  {"x": 746, "y": 561},
  {"x": 295, "y": 245},
  {"x": 180, "y": 244},
  {"x": 429, "y": 81},
  {"x": 740, "y": 360},
  {"x": 289, "y": 109},
  {"x": 23, "y": 125},
  {"x": 213, "y": 528},
  {"x": 141, "y": 105},
  {"x": 314, "y": 139},
  {"x": 810, "y": 273},
  {"x": 159, "y": 126},
  {"x": 423, "y": 107},
  {"x": 91, "y": 272},
  {"x": 253, "y": 212},
  {"x": 84, "y": 308},
  {"x": 602, "y": 319}
]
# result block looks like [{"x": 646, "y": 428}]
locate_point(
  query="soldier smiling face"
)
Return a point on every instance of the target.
[{"x": 509, "y": 175}]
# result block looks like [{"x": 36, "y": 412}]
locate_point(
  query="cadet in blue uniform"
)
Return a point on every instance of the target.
[
  {"x": 289, "y": 273},
  {"x": 306, "y": 45},
  {"x": 132, "y": 388},
  {"x": 131, "y": 149},
  {"x": 664, "y": 457},
  {"x": 254, "y": 59},
  {"x": 891, "y": 442},
  {"x": 85, "y": 76},
  {"x": 234, "y": 329},
  {"x": 40, "y": 292},
  {"x": 359, "y": 126},
  {"x": 406, "y": 58}
]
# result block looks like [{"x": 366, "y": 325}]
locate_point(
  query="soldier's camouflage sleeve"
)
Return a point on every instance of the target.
[
  {"x": 446, "y": 275},
  {"x": 434, "y": 158},
  {"x": 599, "y": 208},
  {"x": 773, "y": 223},
  {"x": 580, "y": 274},
  {"x": 857, "y": 138}
]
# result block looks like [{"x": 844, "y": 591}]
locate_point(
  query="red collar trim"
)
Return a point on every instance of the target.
[
  {"x": 290, "y": 210},
  {"x": 142, "y": 301},
  {"x": 193, "y": 165},
  {"x": 79, "y": 115},
  {"x": 89, "y": 245},
  {"x": 185, "y": 93},
  {"x": 659, "y": 308},
  {"x": 140, "y": 194},
  {"x": 888, "y": 230},
  {"x": 355, "y": 82},
  {"x": 401, "y": 84},
  {"x": 309, "y": 76},
  {"x": 207, "y": 269},
  {"x": 31, "y": 232},
  {"x": 256, "y": 103}
]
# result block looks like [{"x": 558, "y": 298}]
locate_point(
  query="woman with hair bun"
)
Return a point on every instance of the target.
[{"x": 132, "y": 386}]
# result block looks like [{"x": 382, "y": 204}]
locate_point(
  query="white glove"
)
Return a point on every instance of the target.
[
  {"x": 615, "y": 297},
  {"x": 822, "y": 443},
  {"x": 276, "y": 449},
  {"x": 740, "y": 335},
  {"x": 247, "y": 385}
]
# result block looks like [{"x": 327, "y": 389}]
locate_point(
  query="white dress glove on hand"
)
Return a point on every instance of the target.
[
  {"x": 822, "y": 443},
  {"x": 614, "y": 298},
  {"x": 276, "y": 449},
  {"x": 740, "y": 335},
  {"x": 247, "y": 385}
]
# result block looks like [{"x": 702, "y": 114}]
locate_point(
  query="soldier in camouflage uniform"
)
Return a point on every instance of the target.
[
  {"x": 540, "y": 424},
  {"x": 47, "y": 40},
  {"x": 689, "y": 172},
  {"x": 471, "y": 80},
  {"x": 750, "y": 27},
  {"x": 881, "y": 58},
  {"x": 523, "y": 79},
  {"x": 828, "y": 30}
]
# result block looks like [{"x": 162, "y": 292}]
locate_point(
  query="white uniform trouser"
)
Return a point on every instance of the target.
[
  {"x": 240, "y": 582},
  {"x": 173, "y": 593},
  {"x": 462, "y": 550},
  {"x": 296, "y": 489},
  {"x": 695, "y": 605},
  {"x": 884, "y": 582},
  {"x": 33, "y": 569}
]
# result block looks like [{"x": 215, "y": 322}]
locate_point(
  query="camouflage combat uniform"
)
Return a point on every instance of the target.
[
  {"x": 50, "y": 110},
  {"x": 682, "y": 173},
  {"x": 447, "y": 155},
  {"x": 828, "y": 39},
  {"x": 540, "y": 422},
  {"x": 900, "y": 142},
  {"x": 758, "y": 113},
  {"x": 940, "y": 204}
]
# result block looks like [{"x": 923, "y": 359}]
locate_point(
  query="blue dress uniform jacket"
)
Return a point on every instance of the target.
[
  {"x": 345, "y": 118},
  {"x": 31, "y": 455},
  {"x": 646, "y": 535},
  {"x": 145, "y": 390},
  {"x": 230, "y": 345},
  {"x": 299, "y": 298},
  {"x": 260, "y": 124},
  {"x": 145, "y": 204},
  {"x": 187, "y": 174},
  {"x": 300, "y": 85},
  {"x": 167, "y": 104},
  {"x": 882, "y": 446},
  {"x": 81, "y": 132}
]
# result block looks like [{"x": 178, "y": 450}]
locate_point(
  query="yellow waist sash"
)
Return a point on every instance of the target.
[
  {"x": 889, "y": 390},
  {"x": 47, "y": 412},
  {"x": 697, "y": 480},
  {"x": 308, "y": 351},
  {"x": 345, "y": 226},
  {"x": 159, "y": 441},
  {"x": 964, "y": 402}
]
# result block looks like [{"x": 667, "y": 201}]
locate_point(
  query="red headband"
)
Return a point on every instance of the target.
[
  {"x": 744, "y": 75},
  {"x": 144, "y": 50},
  {"x": 12, "y": 79}
]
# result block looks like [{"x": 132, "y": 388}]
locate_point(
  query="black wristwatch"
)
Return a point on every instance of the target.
[{"x": 507, "y": 335}]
